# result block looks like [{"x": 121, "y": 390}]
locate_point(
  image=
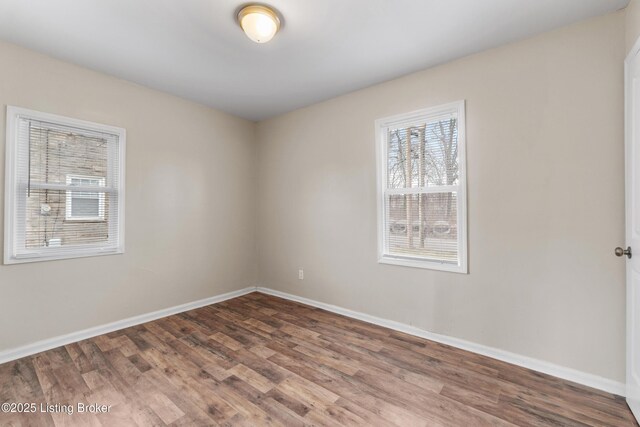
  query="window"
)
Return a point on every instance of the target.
[
  {"x": 84, "y": 206},
  {"x": 64, "y": 188},
  {"x": 422, "y": 214}
]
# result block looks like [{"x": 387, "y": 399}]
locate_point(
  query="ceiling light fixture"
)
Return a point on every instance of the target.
[{"x": 260, "y": 23}]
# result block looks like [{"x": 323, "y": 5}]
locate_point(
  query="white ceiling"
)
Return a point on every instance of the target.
[{"x": 195, "y": 49}]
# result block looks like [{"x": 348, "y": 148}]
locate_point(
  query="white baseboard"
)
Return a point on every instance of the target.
[
  {"x": 565, "y": 373},
  {"x": 39, "y": 346}
]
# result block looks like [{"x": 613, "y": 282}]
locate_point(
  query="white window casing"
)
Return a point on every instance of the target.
[
  {"x": 53, "y": 162},
  {"x": 422, "y": 189}
]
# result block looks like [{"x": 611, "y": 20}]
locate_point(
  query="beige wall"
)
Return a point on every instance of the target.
[
  {"x": 632, "y": 24},
  {"x": 190, "y": 227},
  {"x": 545, "y": 183}
]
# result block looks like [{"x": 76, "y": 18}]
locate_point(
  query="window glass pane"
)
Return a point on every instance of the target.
[
  {"x": 46, "y": 224},
  {"x": 84, "y": 181},
  {"x": 423, "y": 225},
  {"x": 54, "y": 154},
  {"x": 424, "y": 155},
  {"x": 85, "y": 207},
  {"x": 85, "y": 195}
]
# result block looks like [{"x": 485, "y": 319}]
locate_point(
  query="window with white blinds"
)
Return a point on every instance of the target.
[
  {"x": 422, "y": 216},
  {"x": 64, "y": 193}
]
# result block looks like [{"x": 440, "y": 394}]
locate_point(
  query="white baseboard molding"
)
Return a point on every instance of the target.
[
  {"x": 569, "y": 374},
  {"x": 48, "y": 344}
]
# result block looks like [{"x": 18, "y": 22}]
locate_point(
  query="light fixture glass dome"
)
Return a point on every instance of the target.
[{"x": 259, "y": 23}]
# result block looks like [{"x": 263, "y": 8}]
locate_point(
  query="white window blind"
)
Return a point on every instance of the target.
[
  {"x": 64, "y": 187},
  {"x": 422, "y": 189}
]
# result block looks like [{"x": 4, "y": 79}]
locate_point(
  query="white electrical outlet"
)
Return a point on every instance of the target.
[{"x": 301, "y": 274}]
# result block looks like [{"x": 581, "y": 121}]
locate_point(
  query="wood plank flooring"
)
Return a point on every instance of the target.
[{"x": 260, "y": 360}]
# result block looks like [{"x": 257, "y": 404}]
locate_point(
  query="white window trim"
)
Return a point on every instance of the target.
[
  {"x": 11, "y": 205},
  {"x": 409, "y": 119},
  {"x": 69, "y": 200}
]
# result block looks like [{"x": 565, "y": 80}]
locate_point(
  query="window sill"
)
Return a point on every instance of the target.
[
  {"x": 68, "y": 254},
  {"x": 422, "y": 263}
]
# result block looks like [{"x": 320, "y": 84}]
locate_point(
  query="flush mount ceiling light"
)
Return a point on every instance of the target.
[{"x": 259, "y": 23}]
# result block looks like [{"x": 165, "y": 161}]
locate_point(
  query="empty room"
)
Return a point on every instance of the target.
[{"x": 320, "y": 213}]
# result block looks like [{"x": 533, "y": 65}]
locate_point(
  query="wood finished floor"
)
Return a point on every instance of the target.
[{"x": 260, "y": 360}]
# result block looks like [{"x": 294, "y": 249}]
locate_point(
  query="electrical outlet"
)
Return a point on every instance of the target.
[{"x": 301, "y": 274}]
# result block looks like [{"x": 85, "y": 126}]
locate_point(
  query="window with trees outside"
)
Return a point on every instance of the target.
[
  {"x": 422, "y": 216},
  {"x": 65, "y": 187}
]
